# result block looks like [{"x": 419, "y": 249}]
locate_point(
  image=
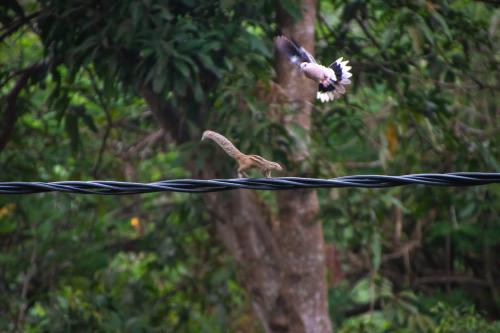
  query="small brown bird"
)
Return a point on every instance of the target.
[
  {"x": 245, "y": 162},
  {"x": 332, "y": 79}
]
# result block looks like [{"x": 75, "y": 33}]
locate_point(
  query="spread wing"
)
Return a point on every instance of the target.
[
  {"x": 334, "y": 88},
  {"x": 295, "y": 53}
]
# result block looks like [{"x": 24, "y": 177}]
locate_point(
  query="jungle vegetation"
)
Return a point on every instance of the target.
[{"x": 122, "y": 90}]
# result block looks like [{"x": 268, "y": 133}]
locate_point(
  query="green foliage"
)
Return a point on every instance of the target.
[
  {"x": 461, "y": 319},
  {"x": 424, "y": 99}
]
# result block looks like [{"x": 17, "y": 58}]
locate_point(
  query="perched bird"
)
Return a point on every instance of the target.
[{"x": 332, "y": 79}]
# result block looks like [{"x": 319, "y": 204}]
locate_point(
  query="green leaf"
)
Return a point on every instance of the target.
[
  {"x": 438, "y": 17},
  {"x": 183, "y": 69},
  {"x": 209, "y": 64},
  {"x": 422, "y": 25},
  {"x": 89, "y": 121}
]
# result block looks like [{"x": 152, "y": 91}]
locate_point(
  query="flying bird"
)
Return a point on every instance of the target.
[{"x": 332, "y": 79}]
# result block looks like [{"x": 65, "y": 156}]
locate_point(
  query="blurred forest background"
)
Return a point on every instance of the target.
[{"x": 122, "y": 90}]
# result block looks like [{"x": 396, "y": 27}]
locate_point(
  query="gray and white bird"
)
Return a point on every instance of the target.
[{"x": 332, "y": 79}]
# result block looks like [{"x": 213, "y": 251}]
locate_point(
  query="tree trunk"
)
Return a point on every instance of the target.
[
  {"x": 280, "y": 260},
  {"x": 300, "y": 236}
]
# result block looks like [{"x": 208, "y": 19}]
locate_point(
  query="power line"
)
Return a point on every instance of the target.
[{"x": 108, "y": 187}]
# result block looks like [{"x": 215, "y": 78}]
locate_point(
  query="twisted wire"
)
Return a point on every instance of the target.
[{"x": 108, "y": 187}]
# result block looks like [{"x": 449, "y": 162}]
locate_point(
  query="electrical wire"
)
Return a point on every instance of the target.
[{"x": 108, "y": 187}]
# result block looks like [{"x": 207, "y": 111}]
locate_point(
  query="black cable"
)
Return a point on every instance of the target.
[{"x": 108, "y": 187}]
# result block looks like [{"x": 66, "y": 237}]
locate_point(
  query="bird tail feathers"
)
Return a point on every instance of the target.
[{"x": 335, "y": 88}]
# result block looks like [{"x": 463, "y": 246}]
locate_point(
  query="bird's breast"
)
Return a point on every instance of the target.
[{"x": 316, "y": 72}]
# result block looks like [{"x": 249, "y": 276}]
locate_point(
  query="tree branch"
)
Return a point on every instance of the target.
[
  {"x": 14, "y": 26},
  {"x": 10, "y": 101},
  {"x": 168, "y": 118}
]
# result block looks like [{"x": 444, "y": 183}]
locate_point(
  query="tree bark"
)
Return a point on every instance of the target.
[
  {"x": 280, "y": 259},
  {"x": 300, "y": 235}
]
